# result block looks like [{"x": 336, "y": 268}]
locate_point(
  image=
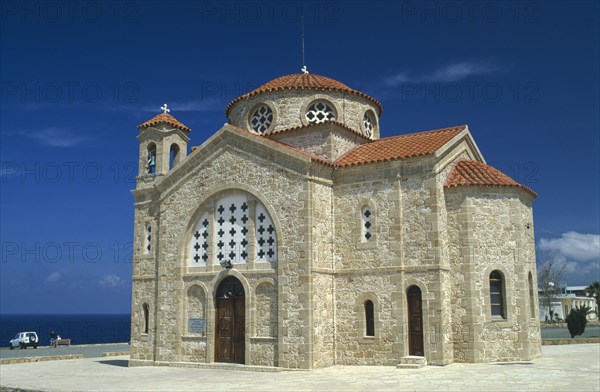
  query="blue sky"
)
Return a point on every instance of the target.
[{"x": 77, "y": 78}]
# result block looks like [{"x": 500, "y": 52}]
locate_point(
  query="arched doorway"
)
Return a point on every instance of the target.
[
  {"x": 230, "y": 316},
  {"x": 415, "y": 321}
]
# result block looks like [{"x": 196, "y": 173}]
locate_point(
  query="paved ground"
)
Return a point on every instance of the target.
[
  {"x": 572, "y": 367},
  {"x": 96, "y": 350},
  {"x": 88, "y": 351}
]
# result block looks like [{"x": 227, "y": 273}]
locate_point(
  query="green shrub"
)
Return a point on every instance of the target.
[{"x": 577, "y": 320}]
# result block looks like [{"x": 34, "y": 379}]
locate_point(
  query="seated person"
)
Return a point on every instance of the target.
[{"x": 53, "y": 337}]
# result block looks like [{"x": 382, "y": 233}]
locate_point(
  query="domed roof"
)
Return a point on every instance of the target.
[{"x": 303, "y": 81}]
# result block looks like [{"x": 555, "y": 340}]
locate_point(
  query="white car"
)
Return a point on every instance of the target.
[{"x": 24, "y": 340}]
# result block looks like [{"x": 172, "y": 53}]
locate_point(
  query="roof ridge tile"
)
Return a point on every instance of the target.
[
  {"x": 399, "y": 147},
  {"x": 303, "y": 81},
  {"x": 164, "y": 118}
]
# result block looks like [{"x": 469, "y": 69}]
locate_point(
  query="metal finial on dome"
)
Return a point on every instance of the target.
[
  {"x": 304, "y": 69},
  {"x": 164, "y": 108}
]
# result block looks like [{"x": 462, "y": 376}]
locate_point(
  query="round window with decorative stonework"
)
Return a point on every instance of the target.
[
  {"x": 261, "y": 119},
  {"x": 319, "y": 112},
  {"x": 368, "y": 124}
]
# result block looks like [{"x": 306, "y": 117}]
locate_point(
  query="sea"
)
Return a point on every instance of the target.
[{"x": 80, "y": 328}]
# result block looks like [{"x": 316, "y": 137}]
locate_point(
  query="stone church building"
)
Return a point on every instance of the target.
[{"x": 297, "y": 237}]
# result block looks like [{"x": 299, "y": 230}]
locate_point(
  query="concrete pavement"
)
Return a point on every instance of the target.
[
  {"x": 86, "y": 350},
  {"x": 572, "y": 367}
]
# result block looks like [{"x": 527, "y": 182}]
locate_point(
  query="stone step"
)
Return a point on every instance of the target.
[
  {"x": 412, "y": 362},
  {"x": 226, "y": 366}
]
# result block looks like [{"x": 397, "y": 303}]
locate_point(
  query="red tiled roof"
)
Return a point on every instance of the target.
[
  {"x": 303, "y": 81},
  {"x": 164, "y": 118},
  {"x": 339, "y": 124},
  {"x": 467, "y": 172},
  {"x": 399, "y": 147}
]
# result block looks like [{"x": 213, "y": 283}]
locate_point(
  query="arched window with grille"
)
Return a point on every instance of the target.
[
  {"x": 236, "y": 220},
  {"x": 366, "y": 228},
  {"x": 147, "y": 239}
]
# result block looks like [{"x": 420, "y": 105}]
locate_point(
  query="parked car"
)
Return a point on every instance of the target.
[{"x": 24, "y": 340}]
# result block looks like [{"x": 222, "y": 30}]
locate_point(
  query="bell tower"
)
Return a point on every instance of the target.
[{"x": 163, "y": 145}]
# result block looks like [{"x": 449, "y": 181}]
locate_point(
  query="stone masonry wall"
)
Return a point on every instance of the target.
[
  {"x": 275, "y": 186},
  {"x": 323, "y": 313},
  {"x": 230, "y": 168},
  {"x": 402, "y": 252},
  {"x": 143, "y": 285},
  {"x": 488, "y": 232},
  {"x": 326, "y": 141}
]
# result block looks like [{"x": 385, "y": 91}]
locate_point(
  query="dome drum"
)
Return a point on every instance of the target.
[{"x": 293, "y": 108}]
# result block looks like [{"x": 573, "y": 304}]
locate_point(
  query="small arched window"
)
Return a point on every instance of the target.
[
  {"x": 148, "y": 239},
  {"x": 173, "y": 156},
  {"x": 531, "y": 297},
  {"x": 369, "y": 318},
  {"x": 151, "y": 159},
  {"x": 497, "y": 299},
  {"x": 366, "y": 230},
  {"x": 146, "y": 310}
]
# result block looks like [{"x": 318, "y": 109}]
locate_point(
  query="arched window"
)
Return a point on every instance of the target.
[
  {"x": 151, "y": 159},
  {"x": 173, "y": 156},
  {"x": 366, "y": 230},
  {"x": 229, "y": 230},
  {"x": 497, "y": 299},
  {"x": 146, "y": 310},
  {"x": 148, "y": 239},
  {"x": 531, "y": 297},
  {"x": 369, "y": 318}
]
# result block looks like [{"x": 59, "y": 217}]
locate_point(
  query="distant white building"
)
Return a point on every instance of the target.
[{"x": 570, "y": 297}]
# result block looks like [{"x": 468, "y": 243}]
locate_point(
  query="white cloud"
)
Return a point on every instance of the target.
[
  {"x": 574, "y": 246},
  {"x": 55, "y": 137},
  {"x": 576, "y": 254},
  {"x": 447, "y": 74},
  {"x": 110, "y": 280},
  {"x": 53, "y": 277}
]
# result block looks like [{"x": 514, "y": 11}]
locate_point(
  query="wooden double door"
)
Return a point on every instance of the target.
[
  {"x": 415, "y": 321},
  {"x": 230, "y": 315}
]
